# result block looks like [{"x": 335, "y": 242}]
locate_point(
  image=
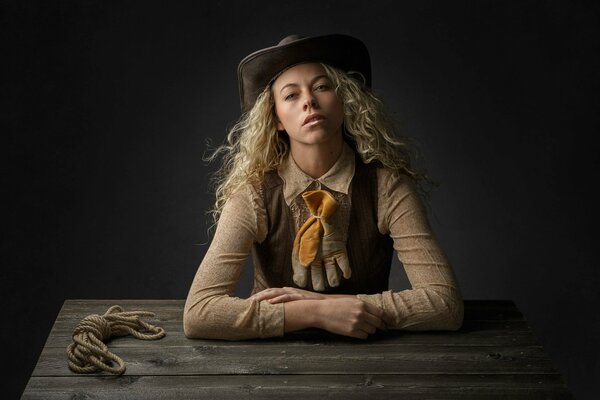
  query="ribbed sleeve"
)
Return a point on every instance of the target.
[
  {"x": 211, "y": 310},
  {"x": 434, "y": 301}
]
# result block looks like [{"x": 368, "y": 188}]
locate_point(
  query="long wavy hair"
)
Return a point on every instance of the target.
[{"x": 254, "y": 145}]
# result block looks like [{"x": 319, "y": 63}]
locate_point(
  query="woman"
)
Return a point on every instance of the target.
[{"x": 317, "y": 187}]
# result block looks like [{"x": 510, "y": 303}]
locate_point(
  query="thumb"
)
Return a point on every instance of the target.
[{"x": 344, "y": 263}]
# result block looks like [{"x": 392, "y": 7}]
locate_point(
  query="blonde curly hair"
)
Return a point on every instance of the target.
[{"x": 254, "y": 145}]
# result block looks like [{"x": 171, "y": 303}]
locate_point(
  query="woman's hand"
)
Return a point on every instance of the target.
[
  {"x": 349, "y": 316},
  {"x": 340, "y": 314},
  {"x": 285, "y": 294}
]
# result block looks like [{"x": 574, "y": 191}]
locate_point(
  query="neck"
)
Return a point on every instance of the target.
[{"x": 316, "y": 160}]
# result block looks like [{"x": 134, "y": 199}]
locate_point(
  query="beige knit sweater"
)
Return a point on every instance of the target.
[{"x": 433, "y": 303}]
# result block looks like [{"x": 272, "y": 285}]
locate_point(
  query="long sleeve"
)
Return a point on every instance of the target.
[
  {"x": 435, "y": 301},
  {"x": 211, "y": 311}
]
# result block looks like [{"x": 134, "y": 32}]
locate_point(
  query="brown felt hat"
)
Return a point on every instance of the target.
[{"x": 258, "y": 69}]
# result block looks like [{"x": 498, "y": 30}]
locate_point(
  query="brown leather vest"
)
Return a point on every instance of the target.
[{"x": 370, "y": 252}]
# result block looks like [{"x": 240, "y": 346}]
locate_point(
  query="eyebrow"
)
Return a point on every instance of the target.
[{"x": 316, "y": 78}]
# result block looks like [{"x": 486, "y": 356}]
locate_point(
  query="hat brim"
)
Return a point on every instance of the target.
[{"x": 257, "y": 70}]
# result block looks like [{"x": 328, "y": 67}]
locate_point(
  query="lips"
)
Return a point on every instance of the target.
[{"x": 312, "y": 118}]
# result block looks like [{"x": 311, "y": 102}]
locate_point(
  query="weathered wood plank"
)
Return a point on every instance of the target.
[
  {"x": 167, "y": 312},
  {"x": 473, "y": 333},
  {"x": 316, "y": 359},
  {"x": 430, "y": 386}
]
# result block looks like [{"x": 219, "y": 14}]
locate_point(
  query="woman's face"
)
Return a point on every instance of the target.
[{"x": 307, "y": 107}]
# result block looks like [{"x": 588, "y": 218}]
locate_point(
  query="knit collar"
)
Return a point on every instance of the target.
[{"x": 338, "y": 178}]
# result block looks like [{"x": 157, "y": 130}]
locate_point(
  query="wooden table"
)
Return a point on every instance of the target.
[{"x": 494, "y": 355}]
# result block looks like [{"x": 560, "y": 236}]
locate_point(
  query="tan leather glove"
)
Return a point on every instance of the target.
[{"x": 318, "y": 245}]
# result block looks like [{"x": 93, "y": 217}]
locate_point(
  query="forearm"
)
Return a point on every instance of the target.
[
  {"x": 435, "y": 307},
  {"x": 430, "y": 308},
  {"x": 231, "y": 318},
  {"x": 300, "y": 314}
]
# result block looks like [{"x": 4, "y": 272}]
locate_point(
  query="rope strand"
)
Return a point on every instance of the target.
[{"x": 88, "y": 353}]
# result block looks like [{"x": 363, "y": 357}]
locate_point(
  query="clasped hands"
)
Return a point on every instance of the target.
[
  {"x": 318, "y": 246},
  {"x": 340, "y": 314}
]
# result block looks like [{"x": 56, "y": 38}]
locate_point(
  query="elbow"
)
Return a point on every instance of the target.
[
  {"x": 192, "y": 328},
  {"x": 450, "y": 310},
  {"x": 453, "y": 312},
  {"x": 455, "y": 315},
  {"x": 196, "y": 320}
]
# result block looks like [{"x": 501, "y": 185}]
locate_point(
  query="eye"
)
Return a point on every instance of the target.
[
  {"x": 321, "y": 87},
  {"x": 289, "y": 96}
]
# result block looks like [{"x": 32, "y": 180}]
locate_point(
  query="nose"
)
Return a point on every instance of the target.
[{"x": 310, "y": 101}]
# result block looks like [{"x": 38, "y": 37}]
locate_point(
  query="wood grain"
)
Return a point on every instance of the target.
[{"x": 494, "y": 355}]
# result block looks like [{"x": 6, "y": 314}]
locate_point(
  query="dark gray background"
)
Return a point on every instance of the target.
[{"x": 106, "y": 109}]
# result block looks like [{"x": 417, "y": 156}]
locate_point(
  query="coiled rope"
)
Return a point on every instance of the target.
[{"x": 88, "y": 353}]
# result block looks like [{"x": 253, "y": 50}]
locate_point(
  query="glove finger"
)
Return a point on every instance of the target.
[
  {"x": 333, "y": 275},
  {"x": 316, "y": 273},
  {"x": 300, "y": 276},
  {"x": 344, "y": 263}
]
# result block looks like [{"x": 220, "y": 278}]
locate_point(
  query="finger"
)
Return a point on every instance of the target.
[
  {"x": 388, "y": 320},
  {"x": 316, "y": 273},
  {"x": 373, "y": 309},
  {"x": 255, "y": 295},
  {"x": 367, "y": 328},
  {"x": 266, "y": 294},
  {"x": 379, "y": 314},
  {"x": 369, "y": 323},
  {"x": 372, "y": 323},
  {"x": 333, "y": 276},
  {"x": 284, "y": 298},
  {"x": 270, "y": 293},
  {"x": 344, "y": 263},
  {"x": 359, "y": 334}
]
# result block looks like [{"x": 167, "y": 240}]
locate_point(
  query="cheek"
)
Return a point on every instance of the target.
[
  {"x": 334, "y": 103},
  {"x": 337, "y": 107},
  {"x": 280, "y": 117}
]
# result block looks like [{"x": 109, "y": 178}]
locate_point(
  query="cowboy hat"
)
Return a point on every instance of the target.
[{"x": 258, "y": 69}]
